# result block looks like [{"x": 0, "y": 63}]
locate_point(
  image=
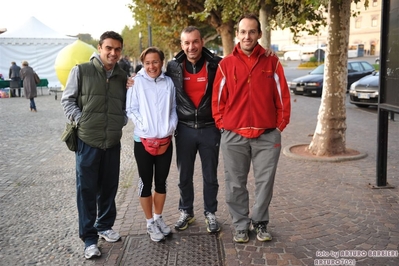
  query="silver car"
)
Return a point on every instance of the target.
[{"x": 364, "y": 92}]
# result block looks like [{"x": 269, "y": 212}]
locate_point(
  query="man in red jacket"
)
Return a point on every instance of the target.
[{"x": 251, "y": 107}]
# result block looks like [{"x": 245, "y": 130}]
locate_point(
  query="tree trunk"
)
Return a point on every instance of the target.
[
  {"x": 264, "y": 14},
  {"x": 226, "y": 31},
  {"x": 329, "y": 137}
]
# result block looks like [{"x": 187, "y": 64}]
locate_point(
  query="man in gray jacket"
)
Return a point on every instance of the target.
[
  {"x": 99, "y": 88},
  {"x": 15, "y": 83}
]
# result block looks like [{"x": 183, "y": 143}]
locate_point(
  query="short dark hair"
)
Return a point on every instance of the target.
[
  {"x": 151, "y": 50},
  {"x": 190, "y": 29},
  {"x": 110, "y": 35},
  {"x": 250, "y": 16},
  {"x": 138, "y": 68}
]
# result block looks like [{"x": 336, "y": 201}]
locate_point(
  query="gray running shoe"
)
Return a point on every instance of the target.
[
  {"x": 92, "y": 251},
  {"x": 109, "y": 235},
  {"x": 154, "y": 232},
  {"x": 241, "y": 236},
  {"x": 165, "y": 230}
]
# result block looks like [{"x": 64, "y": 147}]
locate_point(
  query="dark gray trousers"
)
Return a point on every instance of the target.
[{"x": 238, "y": 153}]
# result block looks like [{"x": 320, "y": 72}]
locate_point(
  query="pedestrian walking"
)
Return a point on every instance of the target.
[{"x": 27, "y": 74}]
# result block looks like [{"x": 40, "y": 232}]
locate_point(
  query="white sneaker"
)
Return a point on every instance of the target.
[
  {"x": 92, "y": 251},
  {"x": 154, "y": 232},
  {"x": 165, "y": 230},
  {"x": 109, "y": 235}
]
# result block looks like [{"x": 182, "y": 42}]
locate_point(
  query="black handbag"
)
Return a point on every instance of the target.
[{"x": 70, "y": 136}]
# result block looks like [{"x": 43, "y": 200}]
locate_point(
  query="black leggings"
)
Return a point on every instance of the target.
[{"x": 146, "y": 164}]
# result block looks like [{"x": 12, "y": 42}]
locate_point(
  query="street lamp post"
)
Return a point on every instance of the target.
[
  {"x": 149, "y": 31},
  {"x": 140, "y": 42}
]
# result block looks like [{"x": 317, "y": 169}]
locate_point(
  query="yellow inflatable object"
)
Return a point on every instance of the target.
[{"x": 75, "y": 53}]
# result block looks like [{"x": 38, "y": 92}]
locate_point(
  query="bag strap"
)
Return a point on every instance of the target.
[{"x": 80, "y": 87}]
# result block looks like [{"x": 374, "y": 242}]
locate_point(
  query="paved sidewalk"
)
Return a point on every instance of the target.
[{"x": 319, "y": 210}]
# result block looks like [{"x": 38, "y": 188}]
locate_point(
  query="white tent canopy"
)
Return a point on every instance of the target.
[{"x": 36, "y": 43}]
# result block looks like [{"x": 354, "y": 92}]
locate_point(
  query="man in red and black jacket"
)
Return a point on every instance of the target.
[{"x": 193, "y": 70}]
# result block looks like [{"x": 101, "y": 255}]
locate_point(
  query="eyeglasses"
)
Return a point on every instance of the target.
[
  {"x": 152, "y": 63},
  {"x": 250, "y": 32}
]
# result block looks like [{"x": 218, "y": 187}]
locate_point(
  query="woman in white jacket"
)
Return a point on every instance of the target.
[{"x": 151, "y": 105}]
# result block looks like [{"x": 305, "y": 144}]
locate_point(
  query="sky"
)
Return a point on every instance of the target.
[{"x": 69, "y": 17}]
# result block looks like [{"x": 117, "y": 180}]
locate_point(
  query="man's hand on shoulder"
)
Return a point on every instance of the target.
[
  {"x": 269, "y": 52},
  {"x": 130, "y": 82}
]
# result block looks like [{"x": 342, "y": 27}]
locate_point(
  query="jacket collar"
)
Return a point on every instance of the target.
[{"x": 258, "y": 50}]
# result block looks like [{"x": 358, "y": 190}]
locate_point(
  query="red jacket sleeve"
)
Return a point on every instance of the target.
[
  {"x": 219, "y": 98},
  {"x": 283, "y": 99}
]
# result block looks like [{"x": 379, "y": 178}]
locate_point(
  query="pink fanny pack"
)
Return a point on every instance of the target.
[{"x": 156, "y": 146}]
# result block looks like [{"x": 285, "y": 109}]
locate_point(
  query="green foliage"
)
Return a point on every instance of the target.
[
  {"x": 227, "y": 10},
  {"x": 300, "y": 16},
  {"x": 310, "y": 64},
  {"x": 169, "y": 17},
  {"x": 313, "y": 59},
  {"x": 85, "y": 37}
]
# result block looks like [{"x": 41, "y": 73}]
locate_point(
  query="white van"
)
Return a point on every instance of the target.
[
  {"x": 303, "y": 55},
  {"x": 292, "y": 55},
  {"x": 306, "y": 55}
]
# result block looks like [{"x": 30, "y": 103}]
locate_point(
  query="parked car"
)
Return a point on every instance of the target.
[
  {"x": 312, "y": 84},
  {"x": 364, "y": 92},
  {"x": 377, "y": 60}
]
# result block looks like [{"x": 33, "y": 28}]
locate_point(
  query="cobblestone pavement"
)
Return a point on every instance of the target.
[
  {"x": 318, "y": 208},
  {"x": 38, "y": 215}
]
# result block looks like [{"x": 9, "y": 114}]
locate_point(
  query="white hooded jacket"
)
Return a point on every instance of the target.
[{"x": 151, "y": 105}]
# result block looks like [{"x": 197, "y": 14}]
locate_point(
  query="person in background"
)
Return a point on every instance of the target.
[
  {"x": 27, "y": 74},
  {"x": 251, "y": 106},
  {"x": 151, "y": 105},
  {"x": 15, "y": 83},
  {"x": 193, "y": 70},
  {"x": 94, "y": 98},
  {"x": 124, "y": 63},
  {"x": 136, "y": 70}
]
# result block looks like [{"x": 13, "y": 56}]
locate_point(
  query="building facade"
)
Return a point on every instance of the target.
[{"x": 365, "y": 29}]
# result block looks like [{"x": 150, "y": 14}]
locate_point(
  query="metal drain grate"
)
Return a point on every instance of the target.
[{"x": 176, "y": 250}]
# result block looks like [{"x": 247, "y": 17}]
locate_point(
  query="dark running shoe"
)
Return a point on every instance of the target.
[
  {"x": 184, "y": 220},
  {"x": 261, "y": 231},
  {"x": 212, "y": 225}
]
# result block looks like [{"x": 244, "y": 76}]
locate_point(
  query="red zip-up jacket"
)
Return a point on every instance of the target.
[{"x": 254, "y": 99}]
